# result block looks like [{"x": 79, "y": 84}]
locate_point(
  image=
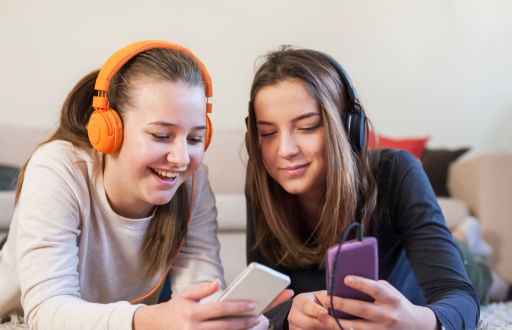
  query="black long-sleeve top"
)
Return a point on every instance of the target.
[{"x": 416, "y": 250}]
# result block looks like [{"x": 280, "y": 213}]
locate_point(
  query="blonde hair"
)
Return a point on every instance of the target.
[
  {"x": 351, "y": 189},
  {"x": 169, "y": 225}
]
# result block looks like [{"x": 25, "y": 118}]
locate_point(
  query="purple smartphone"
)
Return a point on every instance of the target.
[{"x": 360, "y": 259}]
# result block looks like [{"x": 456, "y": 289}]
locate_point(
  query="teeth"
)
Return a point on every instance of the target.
[{"x": 165, "y": 173}]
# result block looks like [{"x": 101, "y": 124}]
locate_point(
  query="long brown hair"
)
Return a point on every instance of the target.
[
  {"x": 169, "y": 225},
  {"x": 351, "y": 188}
]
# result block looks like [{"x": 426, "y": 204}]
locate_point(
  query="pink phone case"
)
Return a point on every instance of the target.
[{"x": 360, "y": 259}]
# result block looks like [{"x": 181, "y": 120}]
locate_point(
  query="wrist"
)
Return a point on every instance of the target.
[
  {"x": 428, "y": 318},
  {"x": 143, "y": 318}
]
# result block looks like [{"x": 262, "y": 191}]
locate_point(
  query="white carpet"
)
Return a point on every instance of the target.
[
  {"x": 15, "y": 323},
  {"x": 497, "y": 316}
]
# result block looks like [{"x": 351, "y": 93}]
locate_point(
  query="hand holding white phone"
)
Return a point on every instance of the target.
[{"x": 257, "y": 283}]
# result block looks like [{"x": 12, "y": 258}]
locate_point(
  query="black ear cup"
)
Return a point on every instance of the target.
[
  {"x": 247, "y": 146},
  {"x": 247, "y": 127},
  {"x": 355, "y": 126}
]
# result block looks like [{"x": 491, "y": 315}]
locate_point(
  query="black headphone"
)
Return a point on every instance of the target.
[
  {"x": 354, "y": 119},
  {"x": 353, "y": 116}
]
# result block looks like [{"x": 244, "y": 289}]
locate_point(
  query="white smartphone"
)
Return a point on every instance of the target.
[{"x": 257, "y": 283}]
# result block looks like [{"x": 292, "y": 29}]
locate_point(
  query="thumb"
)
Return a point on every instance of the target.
[{"x": 201, "y": 291}]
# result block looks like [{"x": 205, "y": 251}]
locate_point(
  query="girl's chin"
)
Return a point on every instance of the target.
[
  {"x": 299, "y": 187},
  {"x": 295, "y": 189},
  {"x": 159, "y": 199}
]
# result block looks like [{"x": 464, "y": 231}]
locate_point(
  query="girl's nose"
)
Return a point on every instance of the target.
[
  {"x": 178, "y": 153},
  {"x": 288, "y": 147}
]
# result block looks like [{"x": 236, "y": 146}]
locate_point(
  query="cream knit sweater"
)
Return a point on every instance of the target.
[{"x": 70, "y": 262}]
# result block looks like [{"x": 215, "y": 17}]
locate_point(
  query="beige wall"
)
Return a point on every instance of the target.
[{"x": 441, "y": 68}]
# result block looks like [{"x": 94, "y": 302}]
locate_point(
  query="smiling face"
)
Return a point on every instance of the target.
[
  {"x": 291, "y": 137},
  {"x": 163, "y": 144}
]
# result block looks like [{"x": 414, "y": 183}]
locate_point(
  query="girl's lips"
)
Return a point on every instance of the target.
[
  {"x": 163, "y": 180},
  {"x": 294, "y": 170}
]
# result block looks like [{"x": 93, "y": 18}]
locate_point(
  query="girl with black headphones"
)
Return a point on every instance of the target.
[{"x": 311, "y": 175}]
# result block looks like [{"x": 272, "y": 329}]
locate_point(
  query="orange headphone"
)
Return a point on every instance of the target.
[{"x": 105, "y": 127}]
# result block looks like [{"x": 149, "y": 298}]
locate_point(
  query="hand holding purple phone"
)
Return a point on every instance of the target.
[
  {"x": 354, "y": 258},
  {"x": 391, "y": 309},
  {"x": 359, "y": 298}
]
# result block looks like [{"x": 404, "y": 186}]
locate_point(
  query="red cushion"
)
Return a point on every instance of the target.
[{"x": 414, "y": 146}]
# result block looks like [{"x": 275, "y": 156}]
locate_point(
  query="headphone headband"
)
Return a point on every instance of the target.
[
  {"x": 354, "y": 118},
  {"x": 343, "y": 75},
  {"x": 119, "y": 58}
]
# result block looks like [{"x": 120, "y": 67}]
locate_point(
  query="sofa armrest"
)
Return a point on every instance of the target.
[{"x": 484, "y": 183}]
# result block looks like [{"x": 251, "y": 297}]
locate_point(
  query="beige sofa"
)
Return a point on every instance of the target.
[{"x": 483, "y": 183}]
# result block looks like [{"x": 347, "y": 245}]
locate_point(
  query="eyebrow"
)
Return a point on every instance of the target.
[
  {"x": 166, "y": 124},
  {"x": 304, "y": 116}
]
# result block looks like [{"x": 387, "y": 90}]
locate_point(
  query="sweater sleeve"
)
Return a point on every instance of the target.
[
  {"x": 434, "y": 258},
  {"x": 47, "y": 254},
  {"x": 198, "y": 261}
]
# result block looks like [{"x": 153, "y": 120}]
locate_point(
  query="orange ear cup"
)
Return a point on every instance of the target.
[
  {"x": 208, "y": 134},
  {"x": 105, "y": 130}
]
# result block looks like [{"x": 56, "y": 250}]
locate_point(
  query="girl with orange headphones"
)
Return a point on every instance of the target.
[{"x": 117, "y": 197}]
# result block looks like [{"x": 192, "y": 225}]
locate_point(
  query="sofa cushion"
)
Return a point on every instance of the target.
[
  {"x": 15, "y": 152},
  {"x": 231, "y": 214},
  {"x": 435, "y": 163},
  {"x": 6, "y": 208},
  {"x": 414, "y": 145},
  {"x": 226, "y": 159}
]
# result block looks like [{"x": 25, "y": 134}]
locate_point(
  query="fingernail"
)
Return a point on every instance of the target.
[
  {"x": 255, "y": 321},
  {"x": 322, "y": 319},
  {"x": 349, "y": 280},
  {"x": 214, "y": 283},
  {"x": 251, "y": 306}
]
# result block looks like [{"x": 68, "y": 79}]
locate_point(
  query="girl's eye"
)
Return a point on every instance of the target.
[
  {"x": 196, "y": 140},
  {"x": 160, "y": 137},
  {"x": 267, "y": 134},
  {"x": 308, "y": 128}
]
